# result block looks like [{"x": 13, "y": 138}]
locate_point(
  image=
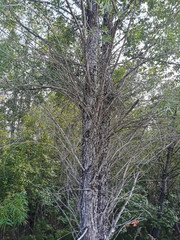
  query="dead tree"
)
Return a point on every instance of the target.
[{"x": 109, "y": 124}]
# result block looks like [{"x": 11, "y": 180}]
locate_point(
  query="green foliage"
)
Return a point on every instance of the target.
[
  {"x": 119, "y": 74},
  {"x": 31, "y": 164},
  {"x": 13, "y": 210},
  {"x": 146, "y": 213}
]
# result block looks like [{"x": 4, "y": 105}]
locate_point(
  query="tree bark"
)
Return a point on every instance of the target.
[{"x": 96, "y": 121}]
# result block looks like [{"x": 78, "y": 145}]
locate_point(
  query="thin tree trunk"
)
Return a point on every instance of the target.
[{"x": 164, "y": 189}]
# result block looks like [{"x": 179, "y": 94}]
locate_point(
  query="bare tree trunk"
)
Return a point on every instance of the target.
[
  {"x": 164, "y": 188},
  {"x": 96, "y": 121}
]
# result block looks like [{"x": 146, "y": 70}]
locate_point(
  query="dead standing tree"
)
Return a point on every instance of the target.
[
  {"x": 98, "y": 96},
  {"x": 103, "y": 28}
]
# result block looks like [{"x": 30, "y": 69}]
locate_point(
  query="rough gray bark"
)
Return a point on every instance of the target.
[{"x": 96, "y": 121}]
